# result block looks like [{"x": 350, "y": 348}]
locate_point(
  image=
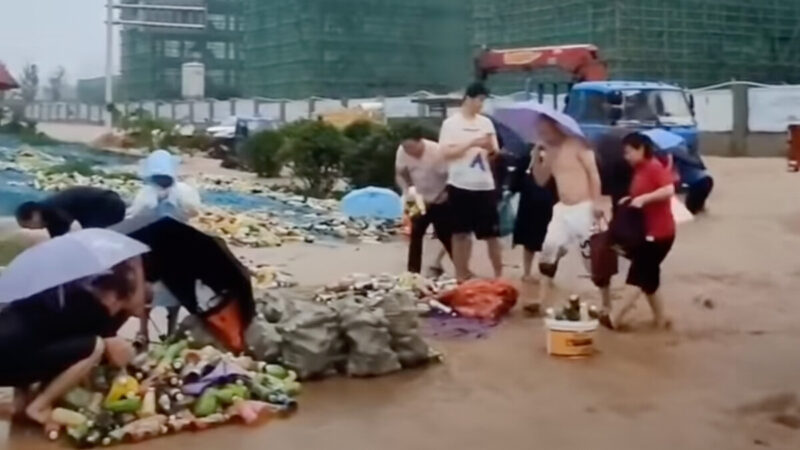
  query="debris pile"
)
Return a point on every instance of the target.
[
  {"x": 357, "y": 335},
  {"x": 264, "y": 276},
  {"x": 248, "y": 230},
  {"x": 173, "y": 388},
  {"x": 424, "y": 290}
]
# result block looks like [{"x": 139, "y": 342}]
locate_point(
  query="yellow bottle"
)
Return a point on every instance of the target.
[{"x": 123, "y": 386}]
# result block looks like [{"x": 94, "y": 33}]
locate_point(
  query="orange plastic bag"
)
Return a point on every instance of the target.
[
  {"x": 227, "y": 325},
  {"x": 482, "y": 299}
]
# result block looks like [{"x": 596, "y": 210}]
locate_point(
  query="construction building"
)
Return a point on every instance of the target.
[
  {"x": 693, "y": 43},
  {"x": 151, "y": 58},
  {"x": 355, "y": 48}
]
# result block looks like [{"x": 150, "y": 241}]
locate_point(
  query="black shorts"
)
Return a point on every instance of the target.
[
  {"x": 26, "y": 360},
  {"x": 646, "y": 259},
  {"x": 474, "y": 212}
]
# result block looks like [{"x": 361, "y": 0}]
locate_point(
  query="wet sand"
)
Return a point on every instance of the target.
[{"x": 645, "y": 390}]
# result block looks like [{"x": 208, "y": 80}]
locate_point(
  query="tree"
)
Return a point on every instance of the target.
[
  {"x": 316, "y": 150},
  {"x": 29, "y": 82},
  {"x": 56, "y": 81},
  {"x": 263, "y": 153}
]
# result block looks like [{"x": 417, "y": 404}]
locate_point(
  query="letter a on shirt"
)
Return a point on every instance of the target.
[{"x": 471, "y": 170}]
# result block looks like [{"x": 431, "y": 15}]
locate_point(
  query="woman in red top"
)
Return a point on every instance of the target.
[{"x": 651, "y": 190}]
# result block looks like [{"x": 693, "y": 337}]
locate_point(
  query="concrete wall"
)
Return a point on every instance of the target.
[{"x": 757, "y": 144}]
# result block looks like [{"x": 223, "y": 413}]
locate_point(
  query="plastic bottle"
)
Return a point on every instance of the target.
[{"x": 67, "y": 418}]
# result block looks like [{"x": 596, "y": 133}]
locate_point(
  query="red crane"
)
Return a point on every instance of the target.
[{"x": 582, "y": 61}]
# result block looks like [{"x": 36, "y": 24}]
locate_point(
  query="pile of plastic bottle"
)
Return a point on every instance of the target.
[{"x": 172, "y": 389}]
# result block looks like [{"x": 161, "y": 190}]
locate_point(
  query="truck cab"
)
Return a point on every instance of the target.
[{"x": 600, "y": 105}]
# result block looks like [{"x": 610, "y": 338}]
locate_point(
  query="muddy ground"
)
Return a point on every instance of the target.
[{"x": 731, "y": 285}]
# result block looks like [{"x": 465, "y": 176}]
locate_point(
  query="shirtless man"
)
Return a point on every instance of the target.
[{"x": 572, "y": 163}]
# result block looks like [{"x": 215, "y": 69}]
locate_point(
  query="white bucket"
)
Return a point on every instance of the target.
[{"x": 571, "y": 339}]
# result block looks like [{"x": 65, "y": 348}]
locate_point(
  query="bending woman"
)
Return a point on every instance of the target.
[
  {"x": 651, "y": 190},
  {"x": 56, "y": 339}
]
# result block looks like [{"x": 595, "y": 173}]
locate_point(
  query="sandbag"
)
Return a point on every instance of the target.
[
  {"x": 366, "y": 332},
  {"x": 400, "y": 310},
  {"x": 482, "y": 299},
  {"x": 263, "y": 341},
  {"x": 312, "y": 344}
]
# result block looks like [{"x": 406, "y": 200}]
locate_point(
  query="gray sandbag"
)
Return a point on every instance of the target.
[
  {"x": 367, "y": 334},
  {"x": 195, "y": 329},
  {"x": 312, "y": 344},
  {"x": 399, "y": 308},
  {"x": 263, "y": 341}
]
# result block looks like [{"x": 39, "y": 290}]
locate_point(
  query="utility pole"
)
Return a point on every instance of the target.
[{"x": 110, "y": 22}]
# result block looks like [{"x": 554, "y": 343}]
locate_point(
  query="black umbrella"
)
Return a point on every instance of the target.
[
  {"x": 615, "y": 172},
  {"x": 181, "y": 255}
]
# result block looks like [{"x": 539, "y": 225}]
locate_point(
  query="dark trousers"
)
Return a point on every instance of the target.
[
  {"x": 439, "y": 217},
  {"x": 698, "y": 193}
]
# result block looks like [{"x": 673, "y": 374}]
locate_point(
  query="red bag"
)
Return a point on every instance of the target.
[
  {"x": 604, "y": 260},
  {"x": 482, "y": 299}
]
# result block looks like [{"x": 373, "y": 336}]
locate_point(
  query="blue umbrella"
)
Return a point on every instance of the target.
[
  {"x": 373, "y": 203},
  {"x": 663, "y": 139}
]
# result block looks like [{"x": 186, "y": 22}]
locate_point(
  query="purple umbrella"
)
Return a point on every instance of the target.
[{"x": 522, "y": 118}]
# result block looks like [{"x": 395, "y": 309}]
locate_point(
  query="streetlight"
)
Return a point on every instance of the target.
[{"x": 110, "y": 22}]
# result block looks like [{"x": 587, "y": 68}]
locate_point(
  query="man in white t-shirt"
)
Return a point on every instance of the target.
[
  {"x": 421, "y": 166},
  {"x": 468, "y": 140}
]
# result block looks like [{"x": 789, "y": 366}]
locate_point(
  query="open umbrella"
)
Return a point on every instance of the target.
[
  {"x": 64, "y": 259},
  {"x": 181, "y": 257},
  {"x": 7, "y": 82},
  {"x": 664, "y": 139},
  {"x": 373, "y": 203},
  {"x": 522, "y": 118}
]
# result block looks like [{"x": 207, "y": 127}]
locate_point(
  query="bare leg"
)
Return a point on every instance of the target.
[
  {"x": 462, "y": 249},
  {"x": 657, "y": 305},
  {"x": 605, "y": 294},
  {"x": 143, "y": 338},
  {"x": 630, "y": 303},
  {"x": 40, "y": 408},
  {"x": 495, "y": 249},
  {"x": 527, "y": 265}
]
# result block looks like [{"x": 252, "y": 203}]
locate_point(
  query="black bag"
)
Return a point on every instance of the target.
[{"x": 627, "y": 229}]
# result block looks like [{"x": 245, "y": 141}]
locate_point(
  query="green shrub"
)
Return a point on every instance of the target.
[
  {"x": 263, "y": 153},
  {"x": 316, "y": 151},
  {"x": 371, "y": 159}
]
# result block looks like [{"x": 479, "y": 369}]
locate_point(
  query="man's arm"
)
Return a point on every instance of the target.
[
  {"x": 402, "y": 178},
  {"x": 449, "y": 147},
  {"x": 589, "y": 162},
  {"x": 542, "y": 167}
]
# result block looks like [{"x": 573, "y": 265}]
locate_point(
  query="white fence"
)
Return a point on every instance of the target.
[{"x": 771, "y": 109}]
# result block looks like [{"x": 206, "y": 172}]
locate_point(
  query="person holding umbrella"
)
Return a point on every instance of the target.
[{"x": 66, "y": 298}]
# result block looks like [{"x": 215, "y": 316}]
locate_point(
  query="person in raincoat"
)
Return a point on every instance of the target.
[
  {"x": 163, "y": 194},
  {"x": 58, "y": 336}
]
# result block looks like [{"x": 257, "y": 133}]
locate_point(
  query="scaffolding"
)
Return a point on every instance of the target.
[
  {"x": 688, "y": 42},
  {"x": 151, "y": 59},
  {"x": 355, "y": 48}
]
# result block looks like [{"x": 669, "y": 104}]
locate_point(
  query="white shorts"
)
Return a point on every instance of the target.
[{"x": 570, "y": 225}]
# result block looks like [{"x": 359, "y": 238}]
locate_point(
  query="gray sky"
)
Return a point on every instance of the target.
[{"x": 50, "y": 33}]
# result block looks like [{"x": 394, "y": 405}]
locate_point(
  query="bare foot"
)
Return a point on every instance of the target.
[
  {"x": 664, "y": 323},
  {"x": 435, "y": 271},
  {"x": 605, "y": 320},
  {"x": 530, "y": 279},
  {"x": 533, "y": 309},
  {"x": 40, "y": 415}
]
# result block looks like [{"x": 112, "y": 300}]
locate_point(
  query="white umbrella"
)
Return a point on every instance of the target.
[{"x": 64, "y": 259}]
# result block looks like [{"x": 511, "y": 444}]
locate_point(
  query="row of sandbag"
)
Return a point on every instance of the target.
[{"x": 355, "y": 336}]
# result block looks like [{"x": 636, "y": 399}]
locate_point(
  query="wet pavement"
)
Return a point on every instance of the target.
[{"x": 644, "y": 390}]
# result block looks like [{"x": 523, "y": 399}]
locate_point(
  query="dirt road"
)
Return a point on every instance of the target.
[{"x": 646, "y": 390}]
